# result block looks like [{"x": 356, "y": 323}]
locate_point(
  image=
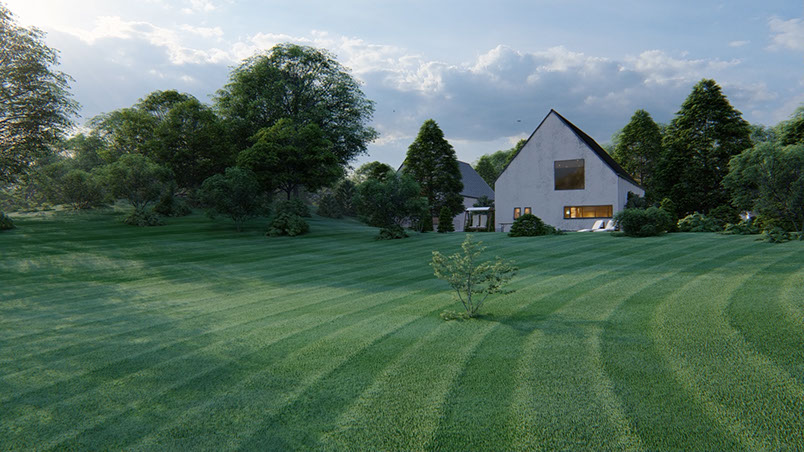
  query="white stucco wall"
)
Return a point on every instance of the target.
[{"x": 529, "y": 181}]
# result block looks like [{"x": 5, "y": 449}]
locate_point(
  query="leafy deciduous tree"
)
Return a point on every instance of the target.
[
  {"x": 303, "y": 84},
  {"x": 236, "y": 194},
  {"x": 391, "y": 202},
  {"x": 792, "y": 130},
  {"x": 137, "y": 179},
  {"x": 373, "y": 170},
  {"x": 490, "y": 166},
  {"x": 769, "y": 179},
  {"x": 287, "y": 155},
  {"x": 35, "y": 104}
]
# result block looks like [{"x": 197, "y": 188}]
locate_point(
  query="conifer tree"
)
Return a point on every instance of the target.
[
  {"x": 432, "y": 162},
  {"x": 639, "y": 146},
  {"x": 706, "y": 132}
]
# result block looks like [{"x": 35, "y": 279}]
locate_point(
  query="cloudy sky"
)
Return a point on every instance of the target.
[{"x": 487, "y": 72}]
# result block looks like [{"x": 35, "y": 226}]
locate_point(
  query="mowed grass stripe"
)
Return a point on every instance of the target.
[
  {"x": 710, "y": 359},
  {"x": 466, "y": 426},
  {"x": 370, "y": 421},
  {"x": 167, "y": 338},
  {"x": 203, "y": 411},
  {"x": 555, "y": 404},
  {"x": 762, "y": 309}
]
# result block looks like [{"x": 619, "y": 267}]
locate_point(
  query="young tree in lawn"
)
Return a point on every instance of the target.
[
  {"x": 706, "y": 132},
  {"x": 769, "y": 179},
  {"x": 235, "y": 194},
  {"x": 471, "y": 279},
  {"x": 639, "y": 146},
  {"x": 35, "y": 104},
  {"x": 432, "y": 162},
  {"x": 303, "y": 84},
  {"x": 287, "y": 155}
]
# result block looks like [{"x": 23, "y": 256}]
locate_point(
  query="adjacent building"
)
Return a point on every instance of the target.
[{"x": 562, "y": 176}]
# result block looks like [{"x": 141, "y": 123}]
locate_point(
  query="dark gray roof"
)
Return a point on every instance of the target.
[
  {"x": 596, "y": 148},
  {"x": 473, "y": 185}
]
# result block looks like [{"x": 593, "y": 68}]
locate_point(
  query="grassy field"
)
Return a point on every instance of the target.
[{"x": 192, "y": 336}]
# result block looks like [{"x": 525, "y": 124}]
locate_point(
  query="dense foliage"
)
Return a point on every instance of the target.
[
  {"x": 395, "y": 201},
  {"x": 490, "y": 166},
  {"x": 432, "y": 162},
  {"x": 289, "y": 155},
  {"x": 305, "y": 85},
  {"x": 445, "y": 220},
  {"x": 287, "y": 219},
  {"x": 373, "y": 170},
  {"x": 137, "y": 179},
  {"x": 639, "y": 146},
  {"x": 329, "y": 207},
  {"x": 529, "y": 225},
  {"x": 768, "y": 179},
  {"x": 706, "y": 132},
  {"x": 235, "y": 194},
  {"x": 698, "y": 222},
  {"x": 5, "y": 222},
  {"x": 644, "y": 222},
  {"x": 471, "y": 279},
  {"x": 35, "y": 104}
]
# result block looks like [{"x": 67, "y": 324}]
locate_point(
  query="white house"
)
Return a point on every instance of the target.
[{"x": 562, "y": 176}]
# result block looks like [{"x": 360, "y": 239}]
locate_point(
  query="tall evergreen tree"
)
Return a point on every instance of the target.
[
  {"x": 698, "y": 144},
  {"x": 639, "y": 146},
  {"x": 432, "y": 162}
]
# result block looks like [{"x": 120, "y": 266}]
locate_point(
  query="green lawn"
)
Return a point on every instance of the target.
[{"x": 192, "y": 336}]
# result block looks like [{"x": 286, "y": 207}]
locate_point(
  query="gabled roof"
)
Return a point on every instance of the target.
[
  {"x": 473, "y": 185},
  {"x": 596, "y": 148}
]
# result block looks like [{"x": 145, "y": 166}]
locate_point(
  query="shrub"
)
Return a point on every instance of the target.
[
  {"x": 5, "y": 222},
  {"x": 329, "y": 207},
  {"x": 293, "y": 206},
  {"x": 634, "y": 201},
  {"x": 744, "y": 227},
  {"x": 236, "y": 194},
  {"x": 473, "y": 281},
  {"x": 669, "y": 206},
  {"x": 643, "y": 222},
  {"x": 142, "y": 217},
  {"x": 528, "y": 225},
  {"x": 776, "y": 235},
  {"x": 725, "y": 214},
  {"x": 391, "y": 233},
  {"x": 171, "y": 206},
  {"x": 698, "y": 222},
  {"x": 445, "y": 223},
  {"x": 287, "y": 223}
]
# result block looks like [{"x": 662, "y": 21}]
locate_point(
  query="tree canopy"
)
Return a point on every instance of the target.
[
  {"x": 303, "y": 84},
  {"x": 35, "y": 103},
  {"x": 639, "y": 146},
  {"x": 705, "y": 133},
  {"x": 288, "y": 155},
  {"x": 792, "y": 131},
  {"x": 490, "y": 166},
  {"x": 432, "y": 162}
]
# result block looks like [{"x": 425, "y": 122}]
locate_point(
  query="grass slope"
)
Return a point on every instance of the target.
[{"x": 193, "y": 336}]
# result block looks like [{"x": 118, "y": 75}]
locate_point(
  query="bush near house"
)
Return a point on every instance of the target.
[
  {"x": 698, "y": 222},
  {"x": 530, "y": 225},
  {"x": 445, "y": 220},
  {"x": 644, "y": 222}
]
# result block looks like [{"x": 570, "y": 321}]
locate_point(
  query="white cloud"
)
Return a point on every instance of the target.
[
  {"x": 662, "y": 69},
  {"x": 738, "y": 43},
  {"x": 205, "y": 32},
  {"x": 788, "y": 34}
]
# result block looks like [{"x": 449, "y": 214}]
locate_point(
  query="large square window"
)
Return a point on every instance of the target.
[{"x": 569, "y": 174}]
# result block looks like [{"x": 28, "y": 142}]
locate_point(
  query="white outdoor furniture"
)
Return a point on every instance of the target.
[
  {"x": 598, "y": 225},
  {"x": 610, "y": 226}
]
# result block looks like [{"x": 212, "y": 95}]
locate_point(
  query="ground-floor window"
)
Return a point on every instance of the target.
[
  {"x": 528, "y": 211},
  {"x": 517, "y": 212},
  {"x": 588, "y": 211}
]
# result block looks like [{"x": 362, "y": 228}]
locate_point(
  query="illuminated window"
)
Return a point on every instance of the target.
[
  {"x": 569, "y": 174},
  {"x": 587, "y": 211},
  {"x": 517, "y": 212},
  {"x": 527, "y": 211}
]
